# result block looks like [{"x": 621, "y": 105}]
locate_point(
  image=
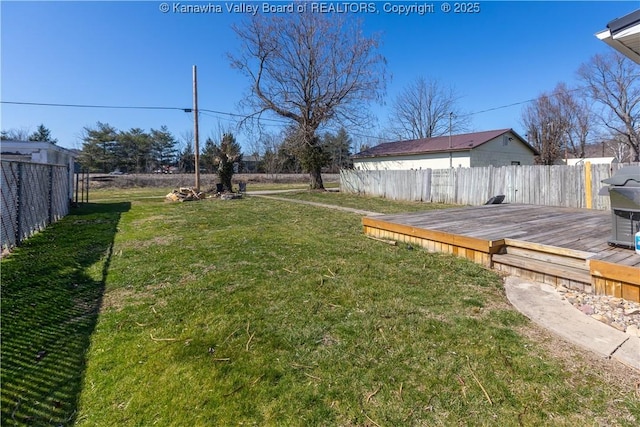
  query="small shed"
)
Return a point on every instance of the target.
[{"x": 502, "y": 147}]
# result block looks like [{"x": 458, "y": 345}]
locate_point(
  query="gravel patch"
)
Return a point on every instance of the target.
[{"x": 618, "y": 313}]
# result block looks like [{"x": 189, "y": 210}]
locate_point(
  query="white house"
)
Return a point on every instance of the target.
[
  {"x": 500, "y": 147},
  {"x": 40, "y": 152},
  {"x": 592, "y": 160}
]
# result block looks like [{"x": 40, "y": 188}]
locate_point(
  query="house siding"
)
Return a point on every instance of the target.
[
  {"x": 502, "y": 152},
  {"x": 417, "y": 162}
]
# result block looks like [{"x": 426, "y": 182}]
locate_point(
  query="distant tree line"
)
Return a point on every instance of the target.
[
  {"x": 278, "y": 153},
  {"x": 106, "y": 149}
]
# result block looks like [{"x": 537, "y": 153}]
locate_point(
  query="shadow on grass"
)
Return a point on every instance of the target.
[{"x": 51, "y": 292}]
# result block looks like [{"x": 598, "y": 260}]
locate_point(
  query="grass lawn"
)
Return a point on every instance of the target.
[
  {"x": 367, "y": 203},
  {"x": 137, "y": 312}
]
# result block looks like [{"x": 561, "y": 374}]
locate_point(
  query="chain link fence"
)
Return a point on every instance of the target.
[{"x": 33, "y": 196}]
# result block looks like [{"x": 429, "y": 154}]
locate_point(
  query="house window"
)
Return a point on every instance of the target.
[
  {"x": 505, "y": 140},
  {"x": 515, "y": 163}
]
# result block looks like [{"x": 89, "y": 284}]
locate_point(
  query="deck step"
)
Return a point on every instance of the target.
[
  {"x": 548, "y": 257},
  {"x": 564, "y": 271}
]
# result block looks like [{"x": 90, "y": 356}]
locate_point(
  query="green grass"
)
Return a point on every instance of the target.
[
  {"x": 51, "y": 292},
  {"x": 368, "y": 203},
  {"x": 265, "y": 312}
]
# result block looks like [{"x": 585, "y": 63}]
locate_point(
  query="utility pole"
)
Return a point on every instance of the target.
[{"x": 196, "y": 136}]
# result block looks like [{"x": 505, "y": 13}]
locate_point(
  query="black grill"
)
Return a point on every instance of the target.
[{"x": 624, "y": 194}]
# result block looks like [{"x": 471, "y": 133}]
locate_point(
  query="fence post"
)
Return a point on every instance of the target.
[
  {"x": 50, "y": 201},
  {"x": 77, "y": 186},
  {"x": 587, "y": 184},
  {"x": 19, "y": 204},
  {"x": 86, "y": 171}
]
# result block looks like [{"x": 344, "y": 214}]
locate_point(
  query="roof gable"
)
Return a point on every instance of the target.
[{"x": 462, "y": 142}]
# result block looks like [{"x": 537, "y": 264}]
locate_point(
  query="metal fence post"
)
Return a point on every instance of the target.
[
  {"x": 86, "y": 171},
  {"x": 50, "y": 201},
  {"x": 76, "y": 188},
  {"x": 19, "y": 203}
]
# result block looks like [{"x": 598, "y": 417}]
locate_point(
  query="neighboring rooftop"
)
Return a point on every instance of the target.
[
  {"x": 623, "y": 34},
  {"x": 462, "y": 142},
  {"x": 36, "y": 151}
]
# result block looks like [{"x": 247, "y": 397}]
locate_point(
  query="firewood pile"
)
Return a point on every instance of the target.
[{"x": 185, "y": 194}]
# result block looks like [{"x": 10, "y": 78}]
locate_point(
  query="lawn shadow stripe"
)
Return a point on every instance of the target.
[{"x": 51, "y": 292}]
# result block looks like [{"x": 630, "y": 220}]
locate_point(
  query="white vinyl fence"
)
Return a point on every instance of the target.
[
  {"x": 33, "y": 196},
  {"x": 537, "y": 185}
]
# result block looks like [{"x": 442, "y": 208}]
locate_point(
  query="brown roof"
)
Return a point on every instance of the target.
[{"x": 463, "y": 142}]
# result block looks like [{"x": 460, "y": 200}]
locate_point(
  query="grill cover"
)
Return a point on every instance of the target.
[
  {"x": 626, "y": 176},
  {"x": 627, "y": 198},
  {"x": 624, "y": 193}
]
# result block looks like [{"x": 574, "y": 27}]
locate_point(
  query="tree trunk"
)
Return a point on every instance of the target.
[{"x": 315, "y": 179}]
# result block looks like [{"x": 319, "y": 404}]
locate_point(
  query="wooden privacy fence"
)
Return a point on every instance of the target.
[
  {"x": 567, "y": 186},
  {"x": 33, "y": 196}
]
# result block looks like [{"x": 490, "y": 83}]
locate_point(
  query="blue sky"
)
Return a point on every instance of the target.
[{"x": 132, "y": 54}]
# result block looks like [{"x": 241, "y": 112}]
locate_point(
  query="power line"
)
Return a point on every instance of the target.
[
  {"x": 241, "y": 116},
  {"x": 129, "y": 107},
  {"x": 519, "y": 103},
  {"x": 497, "y": 108},
  {"x": 135, "y": 107}
]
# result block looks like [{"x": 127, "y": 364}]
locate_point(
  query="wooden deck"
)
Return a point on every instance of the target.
[{"x": 559, "y": 246}]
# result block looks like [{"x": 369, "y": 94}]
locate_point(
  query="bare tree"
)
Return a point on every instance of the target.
[
  {"x": 186, "y": 153},
  {"x": 617, "y": 148},
  {"x": 547, "y": 125},
  {"x": 312, "y": 69},
  {"x": 269, "y": 147},
  {"x": 424, "y": 109},
  {"x": 613, "y": 81},
  {"x": 575, "y": 110},
  {"x": 21, "y": 134}
]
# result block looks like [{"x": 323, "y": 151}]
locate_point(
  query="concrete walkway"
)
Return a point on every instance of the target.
[{"x": 544, "y": 305}]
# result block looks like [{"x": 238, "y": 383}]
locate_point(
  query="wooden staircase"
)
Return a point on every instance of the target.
[{"x": 544, "y": 263}]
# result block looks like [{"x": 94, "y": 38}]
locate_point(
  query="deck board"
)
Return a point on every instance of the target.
[{"x": 583, "y": 231}]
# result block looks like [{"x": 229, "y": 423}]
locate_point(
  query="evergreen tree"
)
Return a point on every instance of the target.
[
  {"x": 163, "y": 148},
  {"x": 42, "y": 134},
  {"x": 338, "y": 147},
  {"x": 134, "y": 150},
  {"x": 98, "y": 148},
  {"x": 187, "y": 159},
  {"x": 208, "y": 156}
]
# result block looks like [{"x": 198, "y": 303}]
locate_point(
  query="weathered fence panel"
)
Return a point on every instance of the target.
[
  {"x": 33, "y": 196},
  {"x": 537, "y": 185}
]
